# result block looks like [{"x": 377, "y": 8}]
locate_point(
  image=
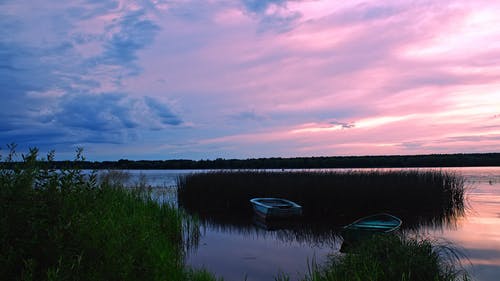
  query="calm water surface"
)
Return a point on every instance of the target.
[{"x": 252, "y": 252}]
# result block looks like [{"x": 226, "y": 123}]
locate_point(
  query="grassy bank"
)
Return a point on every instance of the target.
[
  {"x": 65, "y": 226},
  {"x": 328, "y": 194},
  {"x": 391, "y": 258}
]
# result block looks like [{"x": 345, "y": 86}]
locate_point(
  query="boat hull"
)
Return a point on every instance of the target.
[
  {"x": 275, "y": 208},
  {"x": 366, "y": 227}
]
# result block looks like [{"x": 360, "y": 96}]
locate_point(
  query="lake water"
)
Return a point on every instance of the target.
[{"x": 251, "y": 252}]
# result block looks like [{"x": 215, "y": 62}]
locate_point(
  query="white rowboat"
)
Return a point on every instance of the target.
[{"x": 269, "y": 208}]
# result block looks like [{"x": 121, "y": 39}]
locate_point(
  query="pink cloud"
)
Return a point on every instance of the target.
[{"x": 403, "y": 67}]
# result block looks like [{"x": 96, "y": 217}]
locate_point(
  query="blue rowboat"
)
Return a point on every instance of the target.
[
  {"x": 275, "y": 208},
  {"x": 382, "y": 222},
  {"x": 365, "y": 227}
]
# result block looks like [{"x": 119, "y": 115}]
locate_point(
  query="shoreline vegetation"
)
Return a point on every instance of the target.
[
  {"x": 67, "y": 225},
  {"x": 396, "y": 161},
  {"x": 64, "y": 225}
]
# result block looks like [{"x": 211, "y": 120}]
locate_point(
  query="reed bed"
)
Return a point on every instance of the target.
[
  {"x": 63, "y": 225},
  {"x": 424, "y": 195}
]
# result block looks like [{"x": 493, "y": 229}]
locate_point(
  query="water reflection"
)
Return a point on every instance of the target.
[
  {"x": 320, "y": 232},
  {"x": 479, "y": 231},
  {"x": 256, "y": 257}
]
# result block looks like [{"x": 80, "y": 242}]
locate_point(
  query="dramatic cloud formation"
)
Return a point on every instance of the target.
[{"x": 159, "y": 79}]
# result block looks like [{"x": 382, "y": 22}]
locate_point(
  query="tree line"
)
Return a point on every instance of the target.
[{"x": 431, "y": 160}]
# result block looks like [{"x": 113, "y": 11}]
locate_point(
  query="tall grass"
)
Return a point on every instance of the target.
[
  {"x": 392, "y": 258},
  {"x": 435, "y": 195},
  {"x": 63, "y": 225}
]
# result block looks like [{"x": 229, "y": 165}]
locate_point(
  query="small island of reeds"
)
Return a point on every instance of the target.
[{"x": 342, "y": 195}]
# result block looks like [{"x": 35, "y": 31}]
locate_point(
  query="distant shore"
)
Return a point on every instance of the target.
[{"x": 396, "y": 161}]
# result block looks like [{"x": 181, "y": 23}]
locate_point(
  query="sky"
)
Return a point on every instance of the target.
[{"x": 192, "y": 79}]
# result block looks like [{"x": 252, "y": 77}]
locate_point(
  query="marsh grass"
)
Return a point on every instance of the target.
[
  {"x": 64, "y": 225},
  {"x": 114, "y": 178},
  {"x": 420, "y": 195},
  {"x": 392, "y": 258}
]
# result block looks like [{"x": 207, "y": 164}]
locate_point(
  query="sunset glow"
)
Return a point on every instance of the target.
[{"x": 237, "y": 79}]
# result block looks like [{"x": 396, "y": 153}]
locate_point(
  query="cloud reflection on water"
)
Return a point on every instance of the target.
[{"x": 479, "y": 232}]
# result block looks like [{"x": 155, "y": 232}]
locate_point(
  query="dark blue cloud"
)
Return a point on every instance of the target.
[
  {"x": 279, "y": 22},
  {"x": 35, "y": 137},
  {"x": 102, "y": 113},
  {"x": 135, "y": 34},
  {"x": 50, "y": 94},
  {"x": 260, "y": 6},
  {"x": 162, "y": 112},
  {"x": 22, "y": 78},
  {"x": 6, "y": 126},
  {"x": 67, "y": 120},
  {"x": 21, "y": 70},
  {"x": 118, "y": 117},
  {"x": 85, "y": 118}
]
